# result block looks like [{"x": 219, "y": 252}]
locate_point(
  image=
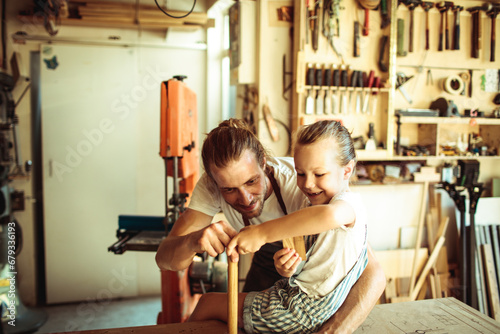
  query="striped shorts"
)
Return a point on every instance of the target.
[{"x": 286, "y": 309}]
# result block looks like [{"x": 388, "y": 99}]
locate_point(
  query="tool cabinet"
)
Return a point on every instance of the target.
[{"x": 428, "y": 70}]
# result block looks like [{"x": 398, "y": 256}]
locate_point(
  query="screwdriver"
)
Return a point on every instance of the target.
[
  {"x": 377, "y": 86},
  {"x": 354, "y": 83},
  {"x": 368, "y": 84},
  {"x": 310, "y": 83},
  {"x": 319, "y": 95},
  {"x": 360, "y": 84},
  {"x": 344, "y": 83},
  {"x": 336, "y": 83},
  {"x": 328, "y": 95}
]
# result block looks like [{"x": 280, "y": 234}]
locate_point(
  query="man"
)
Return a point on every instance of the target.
[{"x": 251, "y": 188}]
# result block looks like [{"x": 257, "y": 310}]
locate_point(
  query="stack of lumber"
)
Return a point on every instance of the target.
[
  {"x": 96, "y": 13},
  {"x": 412, "y": 273},
  {"x": 488, "y": 269}
]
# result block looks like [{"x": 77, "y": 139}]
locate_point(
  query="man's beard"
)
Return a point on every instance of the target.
[{"x": 258, "y": 211}]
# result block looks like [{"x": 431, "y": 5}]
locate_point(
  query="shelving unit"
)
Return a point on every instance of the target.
[
  {"x": 435, "y": 132},
  {"x": 428, "y": 131}
]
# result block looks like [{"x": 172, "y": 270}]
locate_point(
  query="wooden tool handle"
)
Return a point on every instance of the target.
[
  {"x": 232, "y": 297},
  {"x": 493, "y": 37},
  {"x": 367, "y": 22}
]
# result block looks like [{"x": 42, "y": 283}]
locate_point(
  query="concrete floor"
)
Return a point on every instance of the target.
[{"x": 118, "y": 313}]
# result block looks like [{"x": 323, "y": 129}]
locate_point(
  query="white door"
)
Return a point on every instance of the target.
[
  {"x": 89, "y": 162},
  {"x": 100, "y": 130}
]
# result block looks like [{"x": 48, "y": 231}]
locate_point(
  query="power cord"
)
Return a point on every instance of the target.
[{"x": 172, "y": 16}]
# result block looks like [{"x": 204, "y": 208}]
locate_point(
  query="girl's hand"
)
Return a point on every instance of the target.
[
  {"x": 286, "y": 261},
  {"x": 248, "y": 240}
]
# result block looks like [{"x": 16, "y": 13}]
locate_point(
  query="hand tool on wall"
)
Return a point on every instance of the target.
[
  {"x": 368, "y": 84},
  {"x": 474, "y": 45},
  {"x": 368, "y": 5},
  {"x": 354, "y": 83},
  {"x": 336, "y": 83},
  {"x": 310, "y": 84},
  {"x": 411, "y": 4},
  {"x": 384, "y": 13},
  {"x": 344, "y": 84},
  {"x": 477, "y": 35},
  {"x": 427, "y": 5},
  {"x": 447, "y": 5},
  {"x": 356, "y": 39},
  {"x": 360, "y": 84},
  {"x": 492, "y": 13},
  {"x": 441, "y": 6},
  {"x": 377, "y": 85},
  {"x": 401, "y": 38},
  {"x": 315, "y": 25},
  {"x": 456, "y": 29},
  {"x": 401, "y": 79},
  {"x": 320, "y": 98},
  {"x": 328, "y": 93},
  {"x": 331, "y": 25},
  {"x": 383, "y": 65},
  {"x": 270, "y": 122}
]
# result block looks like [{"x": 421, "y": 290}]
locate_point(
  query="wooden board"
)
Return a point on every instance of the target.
[
  {"x": 198, "y": 327},
  {"x": 296, "y": 243},
  {"x": 436, "y": 316},
  {"x": 491, "y": 281}
]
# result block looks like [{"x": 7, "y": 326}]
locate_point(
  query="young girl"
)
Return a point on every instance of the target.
[{"x": 334, "y": 221}]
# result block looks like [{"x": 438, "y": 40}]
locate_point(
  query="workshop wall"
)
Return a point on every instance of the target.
[{"x": 186, "y": 55}]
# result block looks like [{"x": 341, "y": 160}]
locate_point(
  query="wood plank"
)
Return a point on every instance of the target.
[
  {"x": 298, "y": 244},
  {"x": 430, "y": 262},
  {"x": 481, "y": 288},
  {"x": 496, "y": 249},
  {"x": 232, "y": 297},
  {"x": 396, "y": 262},
  {"x": 437, "y": 316},
  {"x": 491, "y": 281},
  {"x": 423, "y": 205},
  {"x": 196, "y": 327}
]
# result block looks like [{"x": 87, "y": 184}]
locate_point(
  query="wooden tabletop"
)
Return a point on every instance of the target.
[{"x": 436, "y": 316}]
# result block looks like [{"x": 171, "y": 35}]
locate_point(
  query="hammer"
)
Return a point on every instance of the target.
[
  {"x": 427, "y": 5},
  {"x": 456, "y": 37},
  {"x": 441, "y": 6},
  {"x": 447, "y": 5},
  {"x": 492, "y": 13},
  {"x": 411, "y": 4},
  {"x": 476, "y": 27}
]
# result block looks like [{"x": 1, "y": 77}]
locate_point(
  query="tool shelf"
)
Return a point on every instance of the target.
[{"x": 437, "y": 132}]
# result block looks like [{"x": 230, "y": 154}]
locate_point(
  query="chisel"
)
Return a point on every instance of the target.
[
  {"x": 310, "y": 83},
  {"x": 344, "y": 84},
  {"x": 376, "y": 85},
  {"x": 320, "y": 94},
  {"x": 357, "y": 52},
  {"x": 368, "y": 84},
  {"x": 360, "y": 84},
  {"x": 354, "y": 83},
  {"x": 328, "y": 94},
  {"x": 336, "y": 83}
]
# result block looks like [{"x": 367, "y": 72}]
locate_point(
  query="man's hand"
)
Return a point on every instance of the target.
[
  {"x": 249, "y": 240},
  {"x": 192, "y": 233},
  {"x": 212, "y": 239},
  {"x": 286, "y": 261}
]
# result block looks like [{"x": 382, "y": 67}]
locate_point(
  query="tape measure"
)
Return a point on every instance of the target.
[{"x": 453, "y": 85}]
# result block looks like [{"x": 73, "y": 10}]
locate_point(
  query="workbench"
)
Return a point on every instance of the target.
[{"x": 437, "y": 316}]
